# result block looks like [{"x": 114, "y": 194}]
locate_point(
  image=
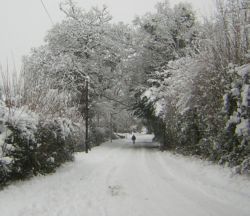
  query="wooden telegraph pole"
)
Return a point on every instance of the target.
[
  {"x": 87, "y": 116},
  {"x": 111, "y": 126}
]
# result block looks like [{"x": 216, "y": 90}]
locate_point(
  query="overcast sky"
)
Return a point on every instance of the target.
[{"x": 24, "y": 23}]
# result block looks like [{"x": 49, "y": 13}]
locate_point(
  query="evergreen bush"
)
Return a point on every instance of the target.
[{"x": 40, "y": 152}]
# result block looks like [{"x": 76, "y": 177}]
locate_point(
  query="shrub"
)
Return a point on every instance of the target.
[
  {"x": 48, "y": 150},
  {"x": 32, "y": 145},
  {"x": 5, "y": 170},
  {"x": 99, "y": 135}
]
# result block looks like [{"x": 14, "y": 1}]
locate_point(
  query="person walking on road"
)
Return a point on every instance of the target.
[{"x": 133, "y": 139}]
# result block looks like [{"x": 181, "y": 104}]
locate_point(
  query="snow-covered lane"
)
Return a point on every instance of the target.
[{"x": 122, "y": 179}]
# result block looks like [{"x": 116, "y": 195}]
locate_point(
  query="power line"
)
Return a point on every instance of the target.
[{"x": 47, "y": 12}]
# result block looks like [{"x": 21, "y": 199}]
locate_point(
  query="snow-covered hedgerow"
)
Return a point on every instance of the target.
[
  {"x": 237, "y": 108},
  {"x": 188, "y": 98},
  {"x": 4, "y": 161},
  {"x": 32, "y": 145}
]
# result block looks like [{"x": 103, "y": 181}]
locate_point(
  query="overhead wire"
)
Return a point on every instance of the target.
[
  {"x": 47, "y": 12},
  {"x": 90, "y": 78}
]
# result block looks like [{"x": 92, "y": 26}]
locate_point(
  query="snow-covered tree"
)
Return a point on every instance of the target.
[
  {"x": 188, "y": 76},
  {"x": 84, "y": 44}
]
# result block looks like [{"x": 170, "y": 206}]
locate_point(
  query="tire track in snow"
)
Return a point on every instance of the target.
[
  {"x": 224, "y": 191},
  {"x": 121, "y": 179},
  {"x": 186, "y": 189}
]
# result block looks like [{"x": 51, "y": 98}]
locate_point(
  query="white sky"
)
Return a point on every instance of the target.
[{"x": 24, "y": 23}]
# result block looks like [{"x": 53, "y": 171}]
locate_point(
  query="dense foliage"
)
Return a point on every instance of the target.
[
  {"x": 84, "y": 46},
  {"x": 31, "y": 145},
  {"x": 196, "y": 91}
]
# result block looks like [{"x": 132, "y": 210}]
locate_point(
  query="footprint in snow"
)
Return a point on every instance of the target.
[{"x": 115, "y": 190}]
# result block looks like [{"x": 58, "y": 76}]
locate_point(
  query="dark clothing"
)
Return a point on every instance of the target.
[{"x": 133, "y": 138}]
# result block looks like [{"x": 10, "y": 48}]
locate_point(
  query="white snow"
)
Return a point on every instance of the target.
[
  {"x": 22, "y": 118},
  {"x": 245, "y": 95},
  {"x": 243, "y": 129},
  {"x": 175, "y": 85},
  {"x": 244, "y": 70},
  {"x": 122, "y": 179},
  {"x": 2, "y": 138},
  {"x": 235, "y": 92},
  {"x": 234, "y": 119}
]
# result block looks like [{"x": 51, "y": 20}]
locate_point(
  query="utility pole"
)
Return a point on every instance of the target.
[
  {"x": 111, "y": 126},
  {"x": 87, "y": 116}
]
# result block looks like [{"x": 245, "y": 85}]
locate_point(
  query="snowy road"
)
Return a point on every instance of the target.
[{"x": 119, "y": 179}]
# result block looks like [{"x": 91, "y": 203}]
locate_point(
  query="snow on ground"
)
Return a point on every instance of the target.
[{"x": 122, "y": 179}]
